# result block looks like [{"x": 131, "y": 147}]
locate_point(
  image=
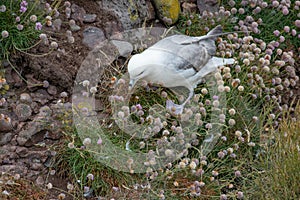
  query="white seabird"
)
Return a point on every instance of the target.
[{"x": 178, "y": 60}]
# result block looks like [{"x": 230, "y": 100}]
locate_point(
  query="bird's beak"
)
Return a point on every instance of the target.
[{"x": 131, "y": 84}]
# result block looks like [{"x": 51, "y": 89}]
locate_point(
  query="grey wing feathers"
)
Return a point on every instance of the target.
[{"x": 197, "y": 54}]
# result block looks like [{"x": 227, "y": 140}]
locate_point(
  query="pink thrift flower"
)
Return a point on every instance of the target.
[
  {"x": 285, "y": 10},
  {"x": 297, "y": 23},
  {"x": 23, "y": 9},
  {"x": 286, "y": 29},
  {"x": 276, "y": 33},
  {"x": 38, "y": 26}
]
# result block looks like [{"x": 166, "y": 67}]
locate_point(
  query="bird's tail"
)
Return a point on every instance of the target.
[{"x": 212, "y": 66}]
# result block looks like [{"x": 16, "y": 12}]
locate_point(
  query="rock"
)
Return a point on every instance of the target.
[
  {"x": 5, "y": 138},
  {"x": 52, "y": 90},
  {"x": 34, "y": 106},
  {"x": 19, "y": 169},
  {"x": 45, "y": 111},
  {"x": 129, "y": 13},
  {"x": 36, "y": 166},
  {"x": 189, "y": 7},
  {"x": 32, "y": 135},
  {"x": 208, "y": 5},
  {"x": 37, "y": 156},
  {"x": 124, "y": 48},
  {"x": 92, "y": 36},
  {"x": 23, "y": 111},
  {"x": 5, "y": 123},
  {"x": 167, "y": 10},
  {"x": 53, "y": 135},
  {"x": 111, "y": 28},
  {"x": 74, "y": 27},
  {"x": 57, "y": 24},
  {"x": 77, "y": 12},
  {"x": 22, "y": 151},
  {"x": 25, "y": 98},
  {"x": 89, "y": 18},
  {"x": 41, "y": 96},
  {"x": 40, "y": 181}
]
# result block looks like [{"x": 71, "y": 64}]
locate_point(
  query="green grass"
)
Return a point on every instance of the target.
[{"x": 281, "y": 175}]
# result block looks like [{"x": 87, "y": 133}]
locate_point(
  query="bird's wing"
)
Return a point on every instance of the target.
[{"x": 196, "y": 54}]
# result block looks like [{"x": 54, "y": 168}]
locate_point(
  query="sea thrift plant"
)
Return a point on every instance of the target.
[{"x": 21, "y": 23}]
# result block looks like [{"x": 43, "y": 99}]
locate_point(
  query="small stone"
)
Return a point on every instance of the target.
[
  {"x": 52, "y": 90},
  {"x": 57, "y": 24},
  {"x": 36, "y": 166},
  {"x": 124, "y": 48},
  {"x": 208, "y": 5},
  {"x": 5, "y": 138},
  {"x": 23, "y": 111},
  {"x": 5, "y": 123},
  {"x": 25, "y": 98},
  {"x": 78, "y": 12},
  {"x": 45, "y": 111},
  {"x": 92, "y": 36},
  {"x": 74, "y": 27},
  {"x": 45, "y": 84},
  {"x": 40, "y": 181},
  {"x": 22, "y": 151},
  {"x": 33, "y": 133},
  {"x": 89, "y": 18}
]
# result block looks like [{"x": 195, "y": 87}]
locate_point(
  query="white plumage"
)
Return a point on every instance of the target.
[{"x": 178, "y": 60}]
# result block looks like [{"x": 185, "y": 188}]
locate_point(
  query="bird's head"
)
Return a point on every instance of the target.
[{"x": 136, "y": 69}]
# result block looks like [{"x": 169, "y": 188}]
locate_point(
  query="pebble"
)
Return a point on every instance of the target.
[
  {"x": 5, "y": 123},
  {"x": 89, "y": 18},
  {"x": 74, "y": 27},
  {"x": 57, "y": 24},
  {"x": 40, "y": 181},
  {"x": 25, "y": 98},
  {"x": 52, "y": 90},
  {"x": 23, "y": 111},
  {"x": 124, "y": 48},
  {"x": 92, "y": 36},
  {"x": 5, "y": 138}
]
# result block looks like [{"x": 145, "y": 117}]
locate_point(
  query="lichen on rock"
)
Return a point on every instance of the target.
[{"x": 167, "y": 10}]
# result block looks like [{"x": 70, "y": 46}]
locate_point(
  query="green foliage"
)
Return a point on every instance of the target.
[
  {"x": 19, "y": 20},
  {"x": 281, "y": 175}
]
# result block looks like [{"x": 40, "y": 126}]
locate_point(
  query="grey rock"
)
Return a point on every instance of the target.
[
  {"x": 25, "y": 98},
  {"x": 35, "y": 107},
  {"x": 22, "y": 151},
  {"x": 89, "y": 18},
  {"x": 32, "y": 134},
  {"x": 92, "y": 36},
  {"x": 208, "y": 5},
  {"x": 77, "y": 12},
  {"x": 57, "y": 24},
  {"x": 52, "y": 90},
  {"x": 23, "y": 111},
  {"x": 124, "y": 48},
  {"x": 40, "y": 181},
  {"x": 5, "y": 138},
  {"x": 129, "y": 13},
  {"x": 41, "y": 96},
  {"x": 75, "y": 27},
  {"x": 5, "y": 123},
  {"x": 16, "y": 169},
  {"x": 45, "y": 111},
  {"x": 36, "y": 166}
]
